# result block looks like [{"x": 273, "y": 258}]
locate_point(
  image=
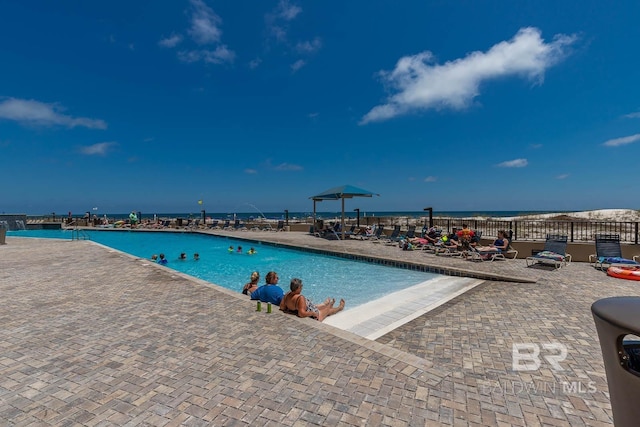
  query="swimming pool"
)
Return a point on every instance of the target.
[{"x": 322, "y": 275}]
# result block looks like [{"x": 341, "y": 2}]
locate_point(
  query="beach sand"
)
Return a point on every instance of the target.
[{"x": 619, "y": 215}]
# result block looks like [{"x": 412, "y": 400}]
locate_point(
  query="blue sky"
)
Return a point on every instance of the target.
[{"x": 460, "y": 105}]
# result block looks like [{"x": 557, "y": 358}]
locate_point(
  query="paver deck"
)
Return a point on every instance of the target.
[
  {"x": 377, "y": 318},
  {"x": 94, "y": 337}
]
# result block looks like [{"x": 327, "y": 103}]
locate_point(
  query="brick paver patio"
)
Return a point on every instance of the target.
[{"x": 94, "y": 337}]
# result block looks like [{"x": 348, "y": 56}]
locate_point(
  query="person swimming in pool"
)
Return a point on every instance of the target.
[
  {"x": 251, "y": 251},
  {"x": 162, "y": 260},
  {"x": 296, "y": 303}
]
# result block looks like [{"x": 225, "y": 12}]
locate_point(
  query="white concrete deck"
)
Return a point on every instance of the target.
[{"x": 376, "y": 318}]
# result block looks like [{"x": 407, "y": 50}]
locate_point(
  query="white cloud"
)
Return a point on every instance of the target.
[
  {"x": 35, "y": 113},
  {"x": 430, "y": 179},
  {"x": 172, "y": 41},
  {"x": 251, "y": 171},
  {"x": 204, "y": 30},
  {"x": 632, "y": 115},
  {"x": 277, "y": 19},
  {"x": 309, "y": 46},
  {"x": 313, "y": 115},
  {"x": 563, "y": 176},
  {"x": 420, "y": 84},
  {"x": 254, "y": 63},
  {"x": 517, "y": 163},
  {"x": 622, "y": 141},
  {"x": 297, "y": 65},
  {"x": 219, "y": 55},
  {"x": 99, "y": 149},
  {"x": 288, "y": 167},
  {"x": 287, "y": 11},
  {"x": 205, "y": 24},
  {"x": 536, "y": 146}
]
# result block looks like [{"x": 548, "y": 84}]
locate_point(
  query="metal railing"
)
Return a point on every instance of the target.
[{"x": 529, "y": 230}]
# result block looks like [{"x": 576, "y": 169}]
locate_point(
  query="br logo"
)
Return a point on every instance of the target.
[{"x": 526, "y": 356}]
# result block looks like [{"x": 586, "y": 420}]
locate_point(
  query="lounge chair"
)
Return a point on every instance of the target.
[
  {"x": 394, "y": 237},
  {"x": 351, "y": 231},
  {"x": 375, "y": 237},
  {"x": 475, "y": 254},
  {"x": 279, "y": 227},
  {"x": 214, "y": 224},
  {"x": 239, "y": 226},
  {"x": 451, "y": 251},
  {"x": 510, "y": 252},
  {"x": 609, "y": 252},
  {"x": 411, "y": 232},
  {"x": 554, "y": 253},
  {"x": 226, "y": 225}
]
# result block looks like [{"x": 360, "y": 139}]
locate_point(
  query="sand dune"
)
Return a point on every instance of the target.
[{"x": 621, "y": 215}]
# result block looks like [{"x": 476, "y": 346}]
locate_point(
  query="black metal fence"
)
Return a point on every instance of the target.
[
  {"x": 525, "y": 230},
  {"x": 577, "y": 231}
]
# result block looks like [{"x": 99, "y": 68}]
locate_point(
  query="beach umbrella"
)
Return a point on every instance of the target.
[{"x": 340, "y": 193}]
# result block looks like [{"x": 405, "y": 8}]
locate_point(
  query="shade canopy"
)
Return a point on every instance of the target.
[
  {"x": 340, "y": 193},
  {"x": 343, "y": 192}
]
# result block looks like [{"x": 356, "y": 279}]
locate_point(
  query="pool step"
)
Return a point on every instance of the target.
[{"x": 376, "y": 318}]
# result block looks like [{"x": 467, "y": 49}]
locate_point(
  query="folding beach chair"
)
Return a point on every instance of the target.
[
  {"x": 609, "y": 252},
  {"x": 554, "y": 253}
]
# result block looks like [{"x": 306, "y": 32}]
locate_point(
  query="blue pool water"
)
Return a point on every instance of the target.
[{"x": 322, "y": 275}]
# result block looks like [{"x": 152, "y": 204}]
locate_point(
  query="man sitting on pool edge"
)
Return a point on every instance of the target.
[
  {"x": 296, "y": 303},
  {"x": 270, "y": 292}
]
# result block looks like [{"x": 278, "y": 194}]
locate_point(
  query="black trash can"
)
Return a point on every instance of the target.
[{"x": 615, "y": 318}]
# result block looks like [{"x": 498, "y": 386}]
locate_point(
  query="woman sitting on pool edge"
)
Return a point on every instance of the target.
[
  {"x": 252, "y": 285},
  {"x": 296, "y": 303}
]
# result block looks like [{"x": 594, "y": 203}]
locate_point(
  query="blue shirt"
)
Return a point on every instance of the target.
[{"x": 268, "y": 293}]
